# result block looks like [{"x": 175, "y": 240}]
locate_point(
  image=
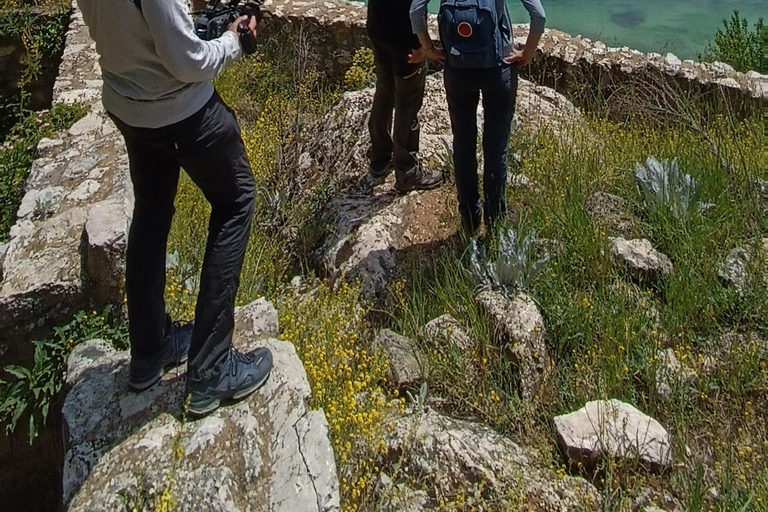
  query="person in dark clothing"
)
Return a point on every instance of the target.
[
  {"x": 158, "y": 90},
  {"x": 475, "y": 66},
  {"x": 400, "y": 77}
]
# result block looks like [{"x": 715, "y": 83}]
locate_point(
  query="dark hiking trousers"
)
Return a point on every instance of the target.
[
  {"x": 209, "y": 148},
  {"x": 399, "y": 87},
  {"x": 499, "y": 89}
]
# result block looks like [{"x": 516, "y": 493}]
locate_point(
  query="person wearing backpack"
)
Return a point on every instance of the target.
[
  {"x": 400, "y": 76},
  {"x": 479, "y": 55}
]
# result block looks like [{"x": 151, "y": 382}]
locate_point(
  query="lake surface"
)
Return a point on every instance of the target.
[{"x": 683, "y": 27}]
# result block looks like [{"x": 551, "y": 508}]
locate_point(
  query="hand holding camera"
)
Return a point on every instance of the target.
[{"x": 240, "y": 19}]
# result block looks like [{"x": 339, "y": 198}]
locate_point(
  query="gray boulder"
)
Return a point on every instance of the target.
[
  {"x": 519, "y": 326},
  {"x": 444, "y": 456},
  {"x": 268, "y": 452},
  {"x": 613, "y": 429},
  {"x": 406, "y": 365},
  {"x": 640, "y": 258}
]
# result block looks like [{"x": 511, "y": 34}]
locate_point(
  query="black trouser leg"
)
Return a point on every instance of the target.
[
  {"x": 209, "y": 147},
  {"x": 155, "y": 176},
  {"x": 217, "y": 163},
  {"x": 380, "y": 121},
  {"x": 409, "y": 95},
  {"x": 499, "y": 94},
  {"x": 463, "y": 96}
]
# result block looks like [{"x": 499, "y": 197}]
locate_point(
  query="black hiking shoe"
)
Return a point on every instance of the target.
[
  {"x": 417, "y": 178},
  {"x": 144, "y": 374},
  {"x": 237, "y": 376}
]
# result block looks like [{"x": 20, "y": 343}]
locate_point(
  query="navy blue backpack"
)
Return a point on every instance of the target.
[{"x": 470, "y": 32}]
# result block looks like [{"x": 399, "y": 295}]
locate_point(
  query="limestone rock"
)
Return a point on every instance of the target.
[
  {"x": 406, "y": 366},
  {"x": 445, "y": 332},
  {"x": 670, "y": 373},
  {"x": 612, "y": 211},
  {"x": 265, "y": 453},
  {"x": 733, "y": 271},
  {"x": 3, "y": 252},
  {"x": 613, "y": 429},
  {"x": 259, "y": 318},
  {"x": 519, "y": 326},
  {"x": 640, "y": 258},
  {"x": 447, "y": 456},
  {"x": 105, "y": 238},
  {"x": 48, "y": 147}
]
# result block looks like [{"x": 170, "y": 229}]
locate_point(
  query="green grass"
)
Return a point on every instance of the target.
[{"x": 19, "y": 152}]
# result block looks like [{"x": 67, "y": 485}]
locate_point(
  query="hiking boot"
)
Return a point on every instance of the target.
[
  {"x": 142, "y": 374},
  {"x": 417, "y": 178},
  {"x": 237, "y": 375},
  {"x": 380, "y": 171}
]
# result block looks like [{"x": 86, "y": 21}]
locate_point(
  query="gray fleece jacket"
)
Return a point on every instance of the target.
[{"x": 156, "y": 70}]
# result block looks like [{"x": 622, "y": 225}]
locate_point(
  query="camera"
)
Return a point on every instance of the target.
[{"x": 212, "y": 22}]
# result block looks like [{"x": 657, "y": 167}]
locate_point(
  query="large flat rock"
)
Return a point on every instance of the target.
[{"x": 266, "y": 453}]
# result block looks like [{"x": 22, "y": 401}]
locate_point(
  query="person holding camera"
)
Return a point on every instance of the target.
[
  {"x": 480, "y": 57},
  {"x": 400, "y": 76},
  {"x": 157, "y": 89}
]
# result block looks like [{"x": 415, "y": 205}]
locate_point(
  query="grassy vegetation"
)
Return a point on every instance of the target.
[
  {"x": 41, "y": 25},
  {"x": 27, "y": 398},
  {"x": 19, "y": 151},
  {"x": 605, "y": 329}
]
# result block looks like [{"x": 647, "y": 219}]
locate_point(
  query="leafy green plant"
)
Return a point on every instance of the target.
[
  {"x": 33, "y": 390},
  {"x": 737, "y": 45},
  {"x": 19, "y": 151},
  {"x": 514, "y": 268},
  {"x": 664, "y": 187}
]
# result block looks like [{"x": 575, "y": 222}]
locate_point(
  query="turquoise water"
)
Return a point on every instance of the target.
[{"x": 683, "y": 27}]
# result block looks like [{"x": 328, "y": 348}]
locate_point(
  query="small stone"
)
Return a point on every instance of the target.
[
  {"x": 640, "y": 258},
  {"x": 613, "y": 429},
  {"x": 445, "y": 331},
  {"x": 733, "y": 271},
  {"x": 670, "y": 373},
  {"x": 404, "y": 366},
  {"x": 672, "y": 60},
  {"x": 519, "y": 326}
]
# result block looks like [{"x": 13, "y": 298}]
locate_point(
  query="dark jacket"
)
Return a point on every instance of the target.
[{"x": 389, "y": 22}]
